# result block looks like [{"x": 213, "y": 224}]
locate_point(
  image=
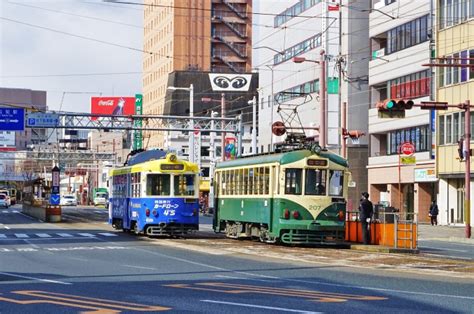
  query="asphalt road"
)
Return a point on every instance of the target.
[{"x": 81, "y": 266}]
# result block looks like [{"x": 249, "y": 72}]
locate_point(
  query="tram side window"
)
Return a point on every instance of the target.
[
  {"x": 135, "y": 185},
  {"x": 184, "y": 184},
  {"x": 293, "y": 181},
  {"x": 315, "y": 182},
  {"x": 158, "y": 184},
  {"x": 336, "y": 181}
]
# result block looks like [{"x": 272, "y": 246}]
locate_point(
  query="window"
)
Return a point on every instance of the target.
[
  {"x": 302, "y": 47},
  {"x": 407, "y": 35},
  {"x": 441, "y": 130},
  {"x": 293, "y": 181},
  {"x": 413, "y": 86},
  {"x": 315, "y": 182},
  {"x": 456, "y": 69},
  {"x": 336, "y": 182},
  {"x": 184, "y": 185},
  {"x": 296, "y": 9},
  {"x": 419, "y": 136},
  {"x": 455, "y": 126},
  {"x": 158, "y": 184},
  {"x": 449, "y": 133}
]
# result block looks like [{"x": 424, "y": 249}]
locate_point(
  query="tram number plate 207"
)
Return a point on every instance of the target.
[{"x": 314, "y": 207}]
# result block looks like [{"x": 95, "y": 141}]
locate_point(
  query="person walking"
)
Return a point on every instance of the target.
[
  {"x": 434, "y": 213},
  {"x": 366, "y": 211}
]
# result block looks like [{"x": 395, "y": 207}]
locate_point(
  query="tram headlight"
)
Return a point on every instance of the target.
[
  {"x": 286, "y": 214},
  {"x": 147, "y": 212},
  {"x": 296, "y": 214},
  {"x": 155, "y": 213}
]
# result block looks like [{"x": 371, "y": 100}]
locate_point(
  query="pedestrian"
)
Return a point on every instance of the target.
[
  {"x": 434, "y": 213},
  {"x": 366, "y": 211}
]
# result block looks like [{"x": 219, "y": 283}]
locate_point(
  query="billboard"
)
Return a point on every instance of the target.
[
  {"x": 7, "y": 140},
  {"x": 230, "y": 82},
  {"x": 112, "y": 106}
]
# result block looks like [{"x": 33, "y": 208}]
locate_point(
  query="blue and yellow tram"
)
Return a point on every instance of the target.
[{"x": 155, "y": 197}]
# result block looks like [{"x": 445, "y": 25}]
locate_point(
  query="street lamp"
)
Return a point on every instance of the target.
[
  {"x": 190, "y": 89},
  {"x": 322, "y": 93}
]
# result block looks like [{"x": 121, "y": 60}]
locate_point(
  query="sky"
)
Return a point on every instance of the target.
[{"x": 72, "y": 49}]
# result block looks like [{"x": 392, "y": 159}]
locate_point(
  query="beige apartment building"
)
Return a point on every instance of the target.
[{"x": 191, "y": 35}]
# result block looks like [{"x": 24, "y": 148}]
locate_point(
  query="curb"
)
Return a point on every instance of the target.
[
  {"x": 450, "y": 239},
  {"x": 383, "y": 249}
]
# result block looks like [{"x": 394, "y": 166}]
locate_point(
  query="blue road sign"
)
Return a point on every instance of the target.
[
  {"x": 42, "y": 120},
  {"x": 12, "y": 119},
  {"x": 54, "y": 199}
]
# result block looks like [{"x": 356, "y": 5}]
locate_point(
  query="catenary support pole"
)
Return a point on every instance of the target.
[
  {"x": 467, "y": 178},
  {"x": 223, "y": 112},
  {"x": 322, "y": 97},
  {"x": 254, "y": 125},
  {"x": 344, "y": 127},
  {"x": 191, "y": 123}
]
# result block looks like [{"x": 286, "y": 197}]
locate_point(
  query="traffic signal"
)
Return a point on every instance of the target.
[{"x": 394, "y": 108}]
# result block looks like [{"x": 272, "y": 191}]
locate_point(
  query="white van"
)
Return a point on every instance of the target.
[{"x": 7, "y": 197}]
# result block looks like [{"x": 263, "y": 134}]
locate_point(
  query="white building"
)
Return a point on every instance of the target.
[
  {"x": 303, "y": 29},
  {"x": 400, "y": 38}
]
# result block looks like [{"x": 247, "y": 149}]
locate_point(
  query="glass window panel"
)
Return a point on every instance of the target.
[
  {"x": 417, "y": 139},
  {"x": 442, "y": 10},
  {"x": 441, "y": 130},
  {"x": 456, "y": 69},
  {"x": 455, "y": 12},
  {"x": 471, "y": 61},
  {"x": 455, "y": 127},
  {"x": 449, "y": 13},
  {"x": 408, "y": 35},
  {"x": 464, "y": 12},
  {"x": 449, "y": 73},
  {"x": 472, "y": 124},
  {"x": 449, "y": 130},
  {"x": 184, "y": 184},
  {"x": 158, "y": 184},
  {"x": 315, "y": 182},
  {"x": 471, "y": 8},
  {"x": 336, "y": 181},
  {"x": 423, "y": 28},
  {"x": 293, "y": 181}
]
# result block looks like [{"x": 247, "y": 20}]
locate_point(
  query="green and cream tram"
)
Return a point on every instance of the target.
[{"x": 296, "y": 197}]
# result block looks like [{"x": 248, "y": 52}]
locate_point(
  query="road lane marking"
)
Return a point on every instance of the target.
[
  {"x": 89, "y": 235},
  {"x": 15, "y": 211},
  {"x": 43, "y": 235},
  {"x": 139, "y": 267},
  {"x": 281, "y": 309},
  {"x": 442, "y": 249},
  {"x": 21, "y": 235},
  {"x": 310, "y": 295},
  {"x": 64, "y": 235},
  {"x": 5, "y": 211},
  {"x": 37, "y": 279},
  {"x": 3, "y": 236},
  {"x": 108, "y": 234},
  {"x": 75, "y": 301}
]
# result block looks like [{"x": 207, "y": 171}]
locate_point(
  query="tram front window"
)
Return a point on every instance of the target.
[
  {"x": 184, "y": 185},
  {"x": 315, "y": 182},
  {"x": 293, "y": 181},
  {"x": 336, "y": 180},
  {"x": 158, "y": 184}
]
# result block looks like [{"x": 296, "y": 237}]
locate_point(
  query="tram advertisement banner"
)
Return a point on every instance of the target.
[{"x": 116, "y": 106}]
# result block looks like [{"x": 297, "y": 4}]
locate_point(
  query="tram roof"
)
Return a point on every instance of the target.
[
  {"x": 155, "y": 166},
  {"x": 281, "y": 158}
]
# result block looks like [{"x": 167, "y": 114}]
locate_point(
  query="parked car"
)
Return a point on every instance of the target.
[
  {"x": 68, "y": 200},
  {"x": 3, "y": 200},
  {"x": 7, "y": 197},
  {"x": 101, "y": 198}
]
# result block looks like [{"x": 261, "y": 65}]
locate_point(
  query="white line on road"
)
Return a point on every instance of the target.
[
  {"x": 5, "y": 211},
  {"x": 21, "y": 235},
  {"x": 3, "y": 235},
  {"x": 90, "y": 235},
  {"x": 282, "y": 309},
  {"x": 107, "y": 234},
  {"x": 6, "y": 227},
  {"x": 43, "y": 235},
  {"x": 139, "y": 267},
  {"x": 38, "y": 279},
  {"x": 15, "y": 211},
  {"x": 65, "y": 235}
]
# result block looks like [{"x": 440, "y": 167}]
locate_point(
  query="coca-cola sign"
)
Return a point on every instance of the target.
[{"x": 116, "y": 106}]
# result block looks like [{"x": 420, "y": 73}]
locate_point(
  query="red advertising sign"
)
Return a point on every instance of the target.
[
  {"x": 116, "y": 106},
  {"x": 407, "y": 148}
]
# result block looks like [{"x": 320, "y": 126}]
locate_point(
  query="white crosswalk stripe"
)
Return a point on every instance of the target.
[
  {"x": 65, "y": 235},
  {"x": 106, "y": 234},
  {"x": 21, "y": 235},
  {"x": 90, "y": 235},
  {"x": 3, "y": 235},
  {"x": 43, "y": 235},
  {"x": 5, "y": 211},
  {"x": 14, "y": 211}
]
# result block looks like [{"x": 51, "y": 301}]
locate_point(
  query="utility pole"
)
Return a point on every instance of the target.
[
  {"x": 212, "y": 155},
  {"x": 253, "y": 102},
  {"x": 223, "y": 113},
  {"x": 467, "y": 176},
  {"x": 322, "y": 97}
]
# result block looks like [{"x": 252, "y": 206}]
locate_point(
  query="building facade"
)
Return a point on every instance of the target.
[
  {"x": 302, "y": 29},
  {"x": 184, "y": 35},
  {"x": 455, "y": 85},
  {"x": 401, "y": 42}
]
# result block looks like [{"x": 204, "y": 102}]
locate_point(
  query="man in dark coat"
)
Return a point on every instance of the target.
[
  {"x": 434, "y": 213},
  {"x": 366, "y": 211}
]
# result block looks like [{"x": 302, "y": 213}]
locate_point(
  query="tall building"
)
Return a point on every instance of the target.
[
  {"x": 401, "y": 42},
  {"x": 185, "y": 35},
  {"x": 455, "y": 85},
  {"x": 302, "y": 29}
]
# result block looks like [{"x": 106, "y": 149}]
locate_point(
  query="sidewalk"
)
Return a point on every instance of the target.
[{"x": 443, "y": 233}]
